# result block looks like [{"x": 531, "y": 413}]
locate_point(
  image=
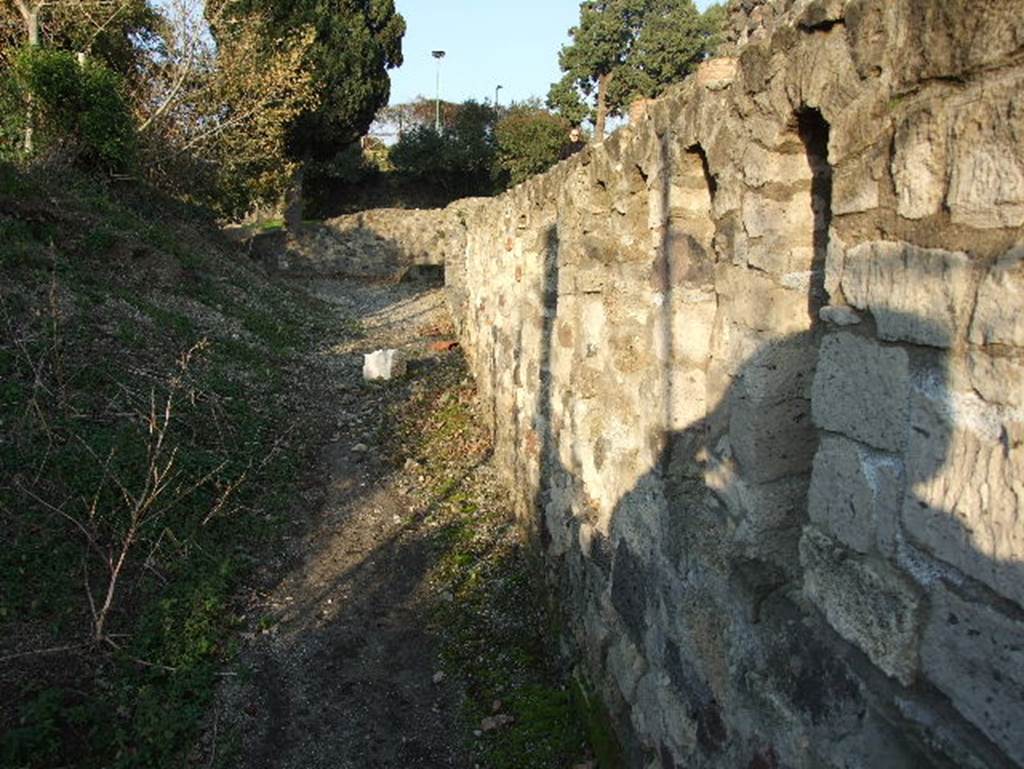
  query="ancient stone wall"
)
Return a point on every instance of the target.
[
  {"x": 755, "y": 369},
  {"x": 381, "y": 243}
]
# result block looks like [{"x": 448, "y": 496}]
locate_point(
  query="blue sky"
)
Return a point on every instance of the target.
[{"x": 512, "y": 43}]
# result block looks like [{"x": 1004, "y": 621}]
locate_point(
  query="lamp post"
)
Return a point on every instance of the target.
[
  {"x": 496, "y": 89},
  {"x": 437, "y": 101}
]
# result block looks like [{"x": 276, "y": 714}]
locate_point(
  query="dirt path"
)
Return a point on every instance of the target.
[{"x": 342, "y": 661}]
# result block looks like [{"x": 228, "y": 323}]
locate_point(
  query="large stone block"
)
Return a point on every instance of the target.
[
  {"x": 856, "y": 494},
  {"x": 862, "y": 390},
  {"x": 916, "y": 294},
  {"x": 869, "y": 604},
  {"x": 772, "y": 440},
  {"x": 919, "y": 165},
  {"x": 997, "y": 378},
  {"x": 693, "y": 318},
  {"x": 974, "y": 654},
  {"x": 752, "y": 299},
  {"x": 855, "y": 188},
  {"x": 999, "y": 313},
  {"x": 939, "y": 40},
  {"x": 761, "y": 167},
  {"x": 791, "y": 216},
  {"x": 965, "y": 495},
  {"x": 986, "y": 186}
]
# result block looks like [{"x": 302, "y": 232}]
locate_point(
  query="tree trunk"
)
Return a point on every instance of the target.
[
  {"x": 293, "y": 198},
  {"x": 30, "y": 14},
  {"x": 602, "y": 105}
]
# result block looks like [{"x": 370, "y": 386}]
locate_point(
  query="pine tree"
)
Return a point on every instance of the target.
[
  {"x": 625, "y": 49},
  {"x": 356, "y": 42}
]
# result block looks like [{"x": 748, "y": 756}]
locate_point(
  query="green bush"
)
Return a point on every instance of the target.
[
  {"x": 419, "y": 153},
  {"x": 530, "y": 141},
  {"x": 459, "y": 160},
  {"x": 77, "y": 110}
]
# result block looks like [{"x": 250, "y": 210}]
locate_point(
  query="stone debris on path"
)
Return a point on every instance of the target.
[{"x": 384, "y": 365}]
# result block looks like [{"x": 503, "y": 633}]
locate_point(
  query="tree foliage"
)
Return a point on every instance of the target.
[
  {"x": 79, "y": 111},
  {"x": 216, "y": 119},
  {"x": 625, "y": 49},
  {"x": 460, "y": 159},
  {"x": 118, "y": 33},
  {"x": 530, "y": 141},
  {"x": 355, "y": 43}
]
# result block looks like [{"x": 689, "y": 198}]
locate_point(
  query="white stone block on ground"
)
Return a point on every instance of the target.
[{"x": 384, "y": 365}]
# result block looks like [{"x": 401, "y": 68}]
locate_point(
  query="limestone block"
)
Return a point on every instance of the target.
[
  {"x": 383, "y": 365},
  {"x": 974, "y": 654},
  {"x": 767, "y": 518},
  {"x": 716, "y": 74},
  {"x": 862, "y": 390},
  {"x": 752, "y": 299},
  {"x": 771, "y": 440},
  {"x": 761, "y": 167},
  {"x": 999, "y": 313},
  {"x": 997, "y": 379},
  {"x": 687, "y": 245},
  {"x": 939, "y": 40},
  {"x": 856, "y": 494},
  {"x": 986, "y": 188},
  {"x": 916, "y": 294},
  {"x": 868, "y": 603},
  {"x": 788, "y": 258},
  {"x": 835, "y": 262},
  {"x": 854, "y": 189},
  {"x": 693, "y": 318},
  {"x": 791, "y": 217},
  {"x": 919, "y": 165},
  {"x": 687, "y": 397},
  {"x": 839, "y": 316},
  {"x": 825, "y": 72},
  {"x": 965, "y": 493}
]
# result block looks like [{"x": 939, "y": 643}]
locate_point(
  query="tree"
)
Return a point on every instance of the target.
[
  {"x": 624, "y": 49},
  {"x": 397, "y": 119},
  {"x": 530, "y": 141},
  {"x": 355, "y": 43},
  {"x": 76, "y": 110},
  {"x": 459, "y": 160},
  {"x": 673, "y": 39},
  {"x": 564, "y": 98},
  {"x": 116, "y": 32},
  {"x": 216, "y": 116}
]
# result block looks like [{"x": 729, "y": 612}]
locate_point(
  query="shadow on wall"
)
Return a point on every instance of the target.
[{"x": 763, "y": 570}]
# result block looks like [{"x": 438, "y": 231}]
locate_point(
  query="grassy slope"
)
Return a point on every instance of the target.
[{"x": 100, "y": 303}]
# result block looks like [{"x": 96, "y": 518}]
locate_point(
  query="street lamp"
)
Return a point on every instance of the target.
[
  {"x": 437, "y": 102},
  {"x": 496, "y": 89}
]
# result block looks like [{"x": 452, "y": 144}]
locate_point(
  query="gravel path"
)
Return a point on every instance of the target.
[{"x": 343, "y": 669}]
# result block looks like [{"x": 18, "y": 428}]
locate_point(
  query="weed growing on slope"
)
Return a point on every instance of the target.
[{"x": 148, "y": 440}]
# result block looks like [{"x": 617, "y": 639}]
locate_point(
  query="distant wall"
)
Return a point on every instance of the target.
[
  {"x": 755, "y": 369},
  {"x": 380, "y": 243}
]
